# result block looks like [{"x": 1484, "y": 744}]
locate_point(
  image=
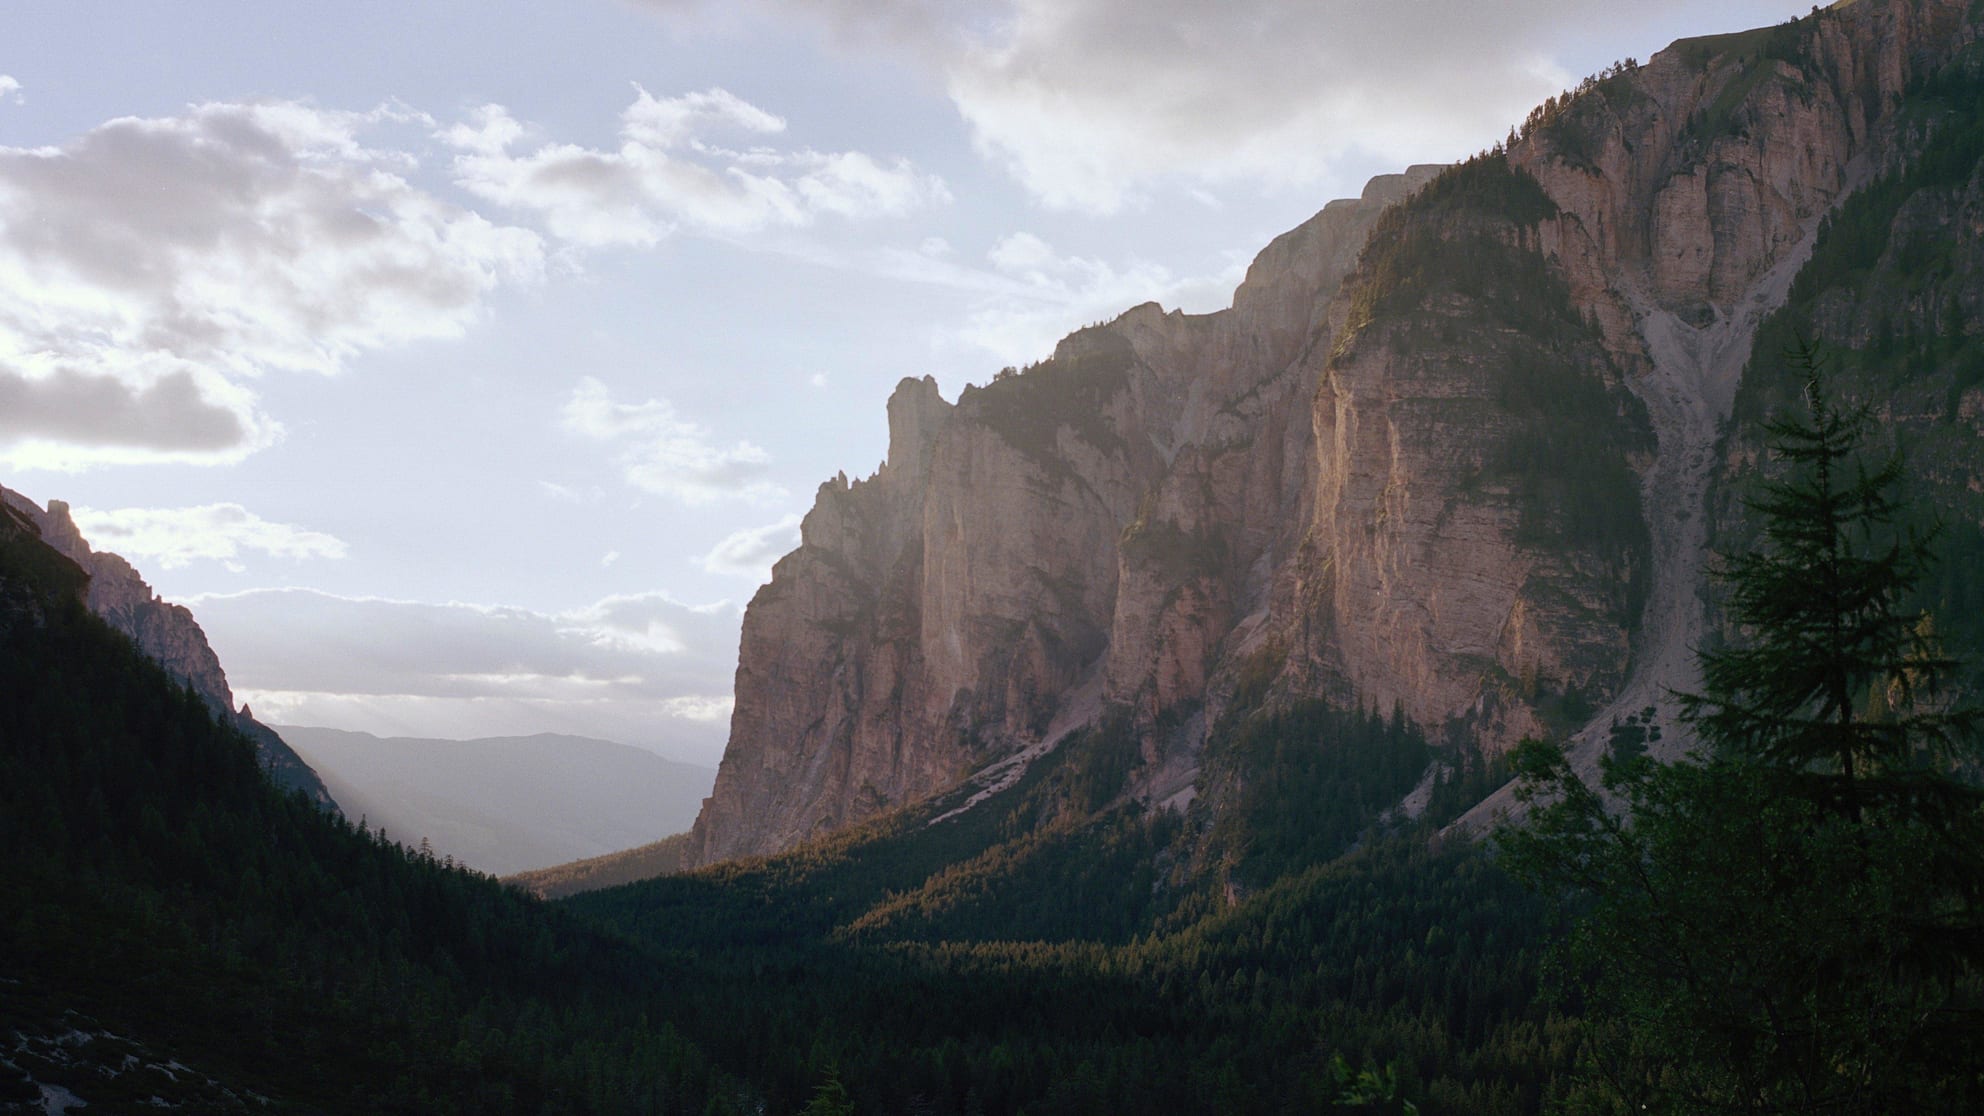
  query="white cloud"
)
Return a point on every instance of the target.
[
  {"x": 10, "y": 89},
  {"x": 1093, "y": 105},
  {"x": 664, "y": 175},
  {"x": 152, "y": 265},
  {"x": 1049, "y": 295},
  {"x": 608, "y": 558},
  {"x": 751, "y": 551},
  {"x": 663, "y": 453},
  {"x": 1087, "y": 102},
  {"x": 174, "y": 537},
  {"x": 642, "y": 669}
]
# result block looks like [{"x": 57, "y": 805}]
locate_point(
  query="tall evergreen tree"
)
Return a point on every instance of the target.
[
  {"x": 1839, "y": 685},
  {"x": 1791, "y": 921}
]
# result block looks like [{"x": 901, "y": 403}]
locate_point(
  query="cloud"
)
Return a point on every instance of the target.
[
  {"x": 58, "y": 415},
  {"x": 151, "y": 266},
  {"x": 10, "y": 89},
  {"x": 215, "y": 532},
  {"x": 664, "y": 175},
  {"x": 1092, "y": 105},
  {"x": 1048, "y": 295},
  {"x": 1086, "y": 102},
  {"x": 751, "y": 551},
  {"x": 642, "y": 669},
  {"x": 662, "y": 453}
]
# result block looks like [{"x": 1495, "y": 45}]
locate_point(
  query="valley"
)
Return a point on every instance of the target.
[{"x": 1173, "y": 724}]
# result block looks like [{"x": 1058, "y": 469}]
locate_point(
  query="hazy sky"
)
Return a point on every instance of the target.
[{"x": 465, "y": 365}]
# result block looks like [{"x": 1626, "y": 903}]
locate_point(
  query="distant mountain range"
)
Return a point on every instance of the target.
[{"x": 505, "y": 804}]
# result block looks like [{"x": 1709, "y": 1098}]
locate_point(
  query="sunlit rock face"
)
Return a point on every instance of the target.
[
  {"x": 167, "y": 634},
  {"x": 1444, "y": 452}
]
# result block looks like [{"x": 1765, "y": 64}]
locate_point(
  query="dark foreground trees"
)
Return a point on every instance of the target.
[{"x": 1791, "y": 922}]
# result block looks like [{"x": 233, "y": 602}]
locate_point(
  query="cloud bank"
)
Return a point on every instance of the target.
[
  {"x": 1092, "y": 105},
  {"x": 152, "y": 267}
]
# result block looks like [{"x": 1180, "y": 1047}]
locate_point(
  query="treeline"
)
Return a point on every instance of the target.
[{"x": 1059, "y": 950}]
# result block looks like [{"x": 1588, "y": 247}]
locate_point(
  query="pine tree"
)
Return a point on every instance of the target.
[
  {"x": 1790, "y": 922},
  {"x": 1822, "y": 601}
]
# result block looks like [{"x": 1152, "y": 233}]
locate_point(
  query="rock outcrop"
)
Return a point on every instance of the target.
[
  {"x": 1447, "y": 449},
  {"x": 940, "y": 614},
  {"x": 167, "y": 634}
]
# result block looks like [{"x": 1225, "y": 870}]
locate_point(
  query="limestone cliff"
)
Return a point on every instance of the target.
[
  {"x": 942, "y": 613},
  {"x": 1448, "y": 452},
  {"x": 166, "y": 633},
  {"x": 1693, "y": 192}
]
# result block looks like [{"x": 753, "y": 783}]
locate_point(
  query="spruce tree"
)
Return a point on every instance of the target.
[{"x": 1837, "y": 685}]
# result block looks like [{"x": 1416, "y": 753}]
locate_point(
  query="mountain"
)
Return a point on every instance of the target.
[
  {"x": 506, "y": 804},
  {"x": 178, "y": 932},
  {"x": 167, "y": 634},
  {"x": 1099, "y": 753},
  {"x": 1451, "y": 451}
]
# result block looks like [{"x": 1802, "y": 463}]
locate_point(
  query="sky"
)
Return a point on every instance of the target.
[{"x": 464, "y": 365}]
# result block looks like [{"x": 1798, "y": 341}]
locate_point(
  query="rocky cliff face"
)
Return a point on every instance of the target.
[
  {"x": 944, "y": 612},
  {"x": 1693, "y": 190},
  {"x": 1446, "y": 450},
  {"x": 166, "y": 633}
]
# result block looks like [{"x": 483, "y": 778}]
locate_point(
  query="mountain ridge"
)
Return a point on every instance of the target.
[
  {"x": 1350, "y": 485},
  {"x": 166, "y": 633}
]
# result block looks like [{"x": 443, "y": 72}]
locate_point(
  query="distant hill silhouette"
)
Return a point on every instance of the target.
[{"x": 510, "y": 803}]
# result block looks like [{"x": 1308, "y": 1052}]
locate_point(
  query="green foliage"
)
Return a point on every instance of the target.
[
  {"x": 1794, "y": 923},
  {"x": 1573, "y": 126},
  {"x": 1456, "y": 231},
  {"x": 1450, "y": 277},
  {"x": 1031, "y": 408},
  {"x": 1467, "y": 778},
  {"x": 830, "y": 1099},
  {"x": 1311, "y": 778},
  {"x": 1393, "y": 956},
  {"x": 1369, "y": 1090},
  {"x": 1824, "y": 600},
  {"x": 644, "y": 862},
  {"x": 1893, "y": 289},
  {"x": 1053, "y": 950},
  {"x": 1744, "y": 950}
]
